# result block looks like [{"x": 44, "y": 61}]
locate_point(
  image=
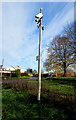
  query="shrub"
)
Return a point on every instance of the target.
[
  {"x": 16, "y": 73},
  {"x": 24, "y": 77}
]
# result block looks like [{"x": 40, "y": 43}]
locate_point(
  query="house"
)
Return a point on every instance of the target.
[
  {"x": 7, "y": 71},
  {"x": 11, "y": 68},
  {"x": 21, "y": 70}
]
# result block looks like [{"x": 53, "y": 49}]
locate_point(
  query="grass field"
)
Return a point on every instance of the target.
[
  {"x": 61, "y": 87},
  {"x": 20, "y": 101},
  {"x": 19, "y": 105}
]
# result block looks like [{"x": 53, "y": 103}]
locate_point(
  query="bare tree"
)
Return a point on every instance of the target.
[
  {"x": 60, "y": 54},
  {"x": 70, "y": 31}
]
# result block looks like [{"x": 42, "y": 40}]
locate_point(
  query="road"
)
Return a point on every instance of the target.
[{"x": 33, "y": 78}]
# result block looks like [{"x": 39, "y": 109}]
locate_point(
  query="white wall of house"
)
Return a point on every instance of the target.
[{"x": 11, "y": 68}]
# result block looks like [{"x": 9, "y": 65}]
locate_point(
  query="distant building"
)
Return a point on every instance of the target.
[
  {"x": 7, "y": 71},
  {"x": 72, "y": 74},
  {"x": 21, "y": 70},
  {"x": 29, "y": 70},
  {"x": 17, "y": 67},
  {"x": 11, "y": 68}
]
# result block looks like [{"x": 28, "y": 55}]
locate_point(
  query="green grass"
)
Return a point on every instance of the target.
[
  {"x": 19, "y": 98},
  {"x": 24, "y": 77},
  {"x": 60, "y": 86},
  {"x": 20, "y": 105},
  {"x": 64, "y": 87},
  {"x": 19, "y": 77},
  {"x": 64, "y": 78}
]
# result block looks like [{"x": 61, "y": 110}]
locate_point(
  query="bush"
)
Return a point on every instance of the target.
[
  {"x": 24, "y": 77},
  {"x": 16, "y": 73}
]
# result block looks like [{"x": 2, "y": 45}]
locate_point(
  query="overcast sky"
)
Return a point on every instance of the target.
[{"x": 19, "y": 35}]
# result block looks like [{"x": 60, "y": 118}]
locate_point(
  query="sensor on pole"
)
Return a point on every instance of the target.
[{"x": 38, "y": 58}]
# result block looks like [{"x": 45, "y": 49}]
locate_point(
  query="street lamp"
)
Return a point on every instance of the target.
[{"x": 39, "y": 22}]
